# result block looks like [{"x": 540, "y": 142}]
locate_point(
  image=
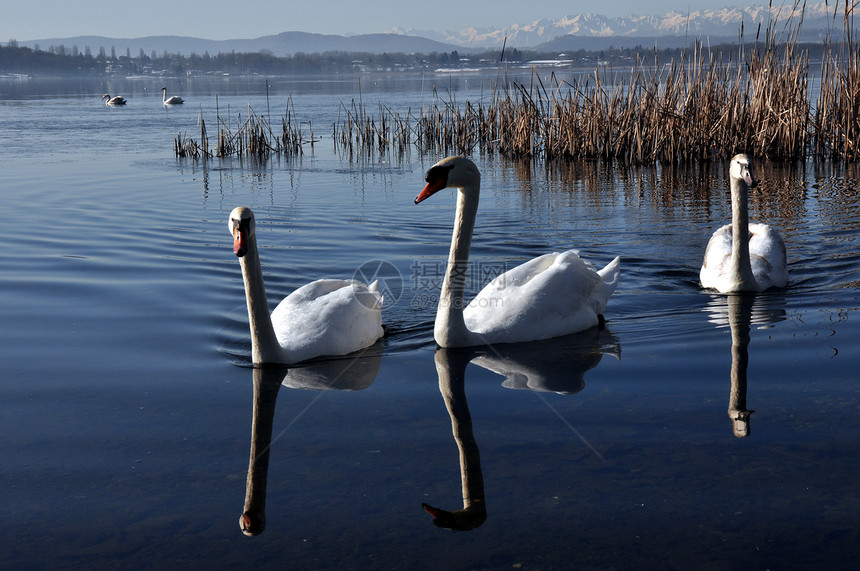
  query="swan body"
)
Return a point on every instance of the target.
[
  {"x": 742, "y": 256},
  {"x": 323, "y": 318},
  {"x": 172, "y": 100},
  {"x": 113, "y": 101},
  {"x": 552, "y": 295}
]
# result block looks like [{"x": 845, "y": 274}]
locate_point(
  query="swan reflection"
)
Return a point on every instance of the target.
[
  {"x": 355, "y": 372},
  {"x": 740, "y": 311},
  {"x": 556, "y": 365}
]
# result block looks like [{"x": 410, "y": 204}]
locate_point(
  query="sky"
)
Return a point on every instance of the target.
[{"x": 248, "y": 19}]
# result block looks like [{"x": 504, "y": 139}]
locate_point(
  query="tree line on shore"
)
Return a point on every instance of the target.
[{"x": 70, "y": 60}]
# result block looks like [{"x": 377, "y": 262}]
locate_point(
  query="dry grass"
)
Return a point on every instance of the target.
[
  {"x": 252, "y": 137},
  {"x": 835, "y": 129},
  {"x": 705, "y": 105}
]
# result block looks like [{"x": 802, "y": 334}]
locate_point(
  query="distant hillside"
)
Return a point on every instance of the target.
[
  {"x": 281, "y": 45},
  {"x": 582, "y": 31}
]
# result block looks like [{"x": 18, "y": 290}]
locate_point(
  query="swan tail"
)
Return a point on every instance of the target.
[
  {"x": 609, "y": 278},
  {"x": 373, "y": 288}
]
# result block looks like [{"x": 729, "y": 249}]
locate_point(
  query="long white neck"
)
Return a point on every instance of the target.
[
  {"x": 164, "y": 95},
  {"x": 264, "y": 343},
  {"x": 741, "y": 268},
  {"x": 450, "y": 329}
]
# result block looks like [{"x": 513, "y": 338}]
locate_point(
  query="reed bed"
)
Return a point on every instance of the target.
[
  {"x": 836, "y": 120},
  {"x": 251, "y": 137},
  {"x": 706, "y": 104},
  {"x": 703, "y": 106}
]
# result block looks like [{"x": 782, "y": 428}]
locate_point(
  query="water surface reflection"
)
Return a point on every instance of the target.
[
  {"x": 740, "y": 311},
  {"x": 353, "y": 373},
  {"x": 556, "y": 365}
]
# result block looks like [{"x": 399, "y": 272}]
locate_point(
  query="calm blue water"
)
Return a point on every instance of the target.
[{"x": 126, "y": 396}]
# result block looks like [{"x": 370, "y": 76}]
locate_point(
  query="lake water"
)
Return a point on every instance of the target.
[{"x": 127, "y": 403}]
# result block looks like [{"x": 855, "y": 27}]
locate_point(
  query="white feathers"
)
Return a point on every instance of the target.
[
  {"x": 549, "y": 296},
  {"x": 742, "y": 256}
]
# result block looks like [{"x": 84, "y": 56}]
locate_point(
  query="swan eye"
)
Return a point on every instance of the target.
[
  {"x": 438, "y": 172},
  {"x": 240, "y": 224}
]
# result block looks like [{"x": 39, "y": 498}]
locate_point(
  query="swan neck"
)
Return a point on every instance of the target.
[
  {"x": 741, "y": 268},
  {"x": 450, "y": 329},
  {"x": 264, "y": 343}
]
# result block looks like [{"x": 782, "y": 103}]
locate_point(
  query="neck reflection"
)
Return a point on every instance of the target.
[
  {"x": 741, "y": 311},
  {"x": 556, "y": 365},
  {"x": 353, "y": 372}
]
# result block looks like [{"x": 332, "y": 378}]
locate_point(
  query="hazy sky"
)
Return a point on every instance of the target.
[{"x": 241, "y": 19}]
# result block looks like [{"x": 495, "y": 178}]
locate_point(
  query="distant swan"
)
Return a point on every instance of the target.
[
  {"x": 113, "y": 101},
  {"x": 549, "y": 296},
  {"x": 172, "y": 100},
  {"x": 743, "y": 256},
  {"x": 325, "y": 317}
]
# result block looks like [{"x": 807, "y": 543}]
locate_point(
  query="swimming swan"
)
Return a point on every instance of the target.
[
  {"x": 743, "y": 256},
  {"x": 325, "y": 317},
  {"x": 113, "y": 101},
  {"x": 173, "y": 100},
  {"x": 549, "y": 296}
]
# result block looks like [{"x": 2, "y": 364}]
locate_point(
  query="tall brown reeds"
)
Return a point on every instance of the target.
[
  {"x": 705, "y": 104},
  {"x": 253, "y": 137},
  {"x": 836, "y": 123}
]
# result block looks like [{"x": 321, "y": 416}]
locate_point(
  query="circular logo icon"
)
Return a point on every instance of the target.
[{"x": 388, "y": 278}]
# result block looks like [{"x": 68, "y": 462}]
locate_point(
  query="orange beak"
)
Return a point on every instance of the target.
[
  {"x": 429, "y": 190},
  {"x": 240, "y": 242}
]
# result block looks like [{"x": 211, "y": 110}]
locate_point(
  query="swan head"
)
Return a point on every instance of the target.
[
  {"x": 252, "y": 523},
  {"x": 242, "y": 228},
  {"x": 451, "y": 172},
  {"x": 105, "y": 96},
  {"x": 741, "y": 169}
]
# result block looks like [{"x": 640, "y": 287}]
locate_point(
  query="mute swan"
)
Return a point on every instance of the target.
[
  {"x": 172, "y": 100},
  {"x": 113, "y": 101},
  {"x": 743, "y": 256},
  {"x": 325, "y": 317},
  {"x": 549, "y": 296}
]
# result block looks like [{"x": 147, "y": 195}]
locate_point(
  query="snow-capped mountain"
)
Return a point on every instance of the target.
[
  {"x": 722, "y": 22},
  {"x": 583, "y": 31}
]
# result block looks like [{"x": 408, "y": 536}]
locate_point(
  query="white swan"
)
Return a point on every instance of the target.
[
  {"x": 113, "y": 101},
  {"x": 325, "y": 317},
  {"x": 743, "y": 256},
  {"x": 172, "y": 100},
  {"x": 549, "y": 296}
]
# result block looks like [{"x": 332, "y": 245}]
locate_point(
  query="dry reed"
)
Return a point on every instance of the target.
[
  {"x": 253, "y": 136},
  {"x": 707, "y": 104}
]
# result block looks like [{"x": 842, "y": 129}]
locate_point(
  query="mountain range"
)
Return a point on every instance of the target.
[
  {"x": 582, "y": 31},
  {"x": 710, "y": 23}
]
